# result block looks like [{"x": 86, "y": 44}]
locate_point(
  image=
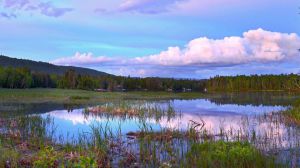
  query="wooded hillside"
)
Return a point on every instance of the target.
[{"x": 43, "y": 67}]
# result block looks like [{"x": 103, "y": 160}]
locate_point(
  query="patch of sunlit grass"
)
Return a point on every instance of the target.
[{"x": 226, "y": 154}]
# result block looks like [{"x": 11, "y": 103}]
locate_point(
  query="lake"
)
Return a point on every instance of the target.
[{"x": 253, "y": 116}]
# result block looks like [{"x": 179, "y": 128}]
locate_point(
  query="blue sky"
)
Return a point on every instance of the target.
[{"x": 167, "y": 38}]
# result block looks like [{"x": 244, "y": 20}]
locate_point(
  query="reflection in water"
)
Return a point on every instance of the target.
[
  {"x": 69, "y": 124},
  {"x": 227, "y": 117},
  {"x": 254, "y": 98},
  {"x": 206, "y": 107}
]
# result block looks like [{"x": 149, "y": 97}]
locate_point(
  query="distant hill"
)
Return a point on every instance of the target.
[{"x": 46, "y": 67}]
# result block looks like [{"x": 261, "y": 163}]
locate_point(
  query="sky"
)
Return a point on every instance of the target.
[{"x": 165, "y": 38}]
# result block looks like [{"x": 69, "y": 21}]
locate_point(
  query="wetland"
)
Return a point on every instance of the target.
[{"x": 70, "y": 128}]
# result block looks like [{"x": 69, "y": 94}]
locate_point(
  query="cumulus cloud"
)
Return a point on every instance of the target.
[
  {"x": 44, "y": 8},
  {"x": 254, "y": 46},
  {"x": 84, "y": 59}
]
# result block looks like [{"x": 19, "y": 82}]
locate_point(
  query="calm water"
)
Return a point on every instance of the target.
[
  {"x": 69, "y": 123},
  {"x": 219, "y": 111},
  {"x": 227, "y": 112}
]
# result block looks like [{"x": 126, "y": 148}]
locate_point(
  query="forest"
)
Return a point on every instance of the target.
[
  {"x": 25, "y": 78},
  {"x": 290, "y": 82},
  {"x": 44, "y": 67}
]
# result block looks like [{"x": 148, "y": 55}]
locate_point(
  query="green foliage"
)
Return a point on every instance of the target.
[
  {"x": 47, "y": 157},
  {"x": 254, "y": 83},
  {"x": 87, "y": 82},
  {"x": 85, "y": 161},
  {"x": 24, "y": 78},
  {"x": 226, "y": 154},
  {"x": 294, "y": 113},
  {"x": 15, "y": 78}
]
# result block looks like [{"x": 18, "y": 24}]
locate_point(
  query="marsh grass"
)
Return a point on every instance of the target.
[
  {"x": 133, "y": 108},
  {"x": 227, "y": 154},
  {"x": 31, "y": 137},
  {"x": 292, "y": 115},
  {"x": 9, "y": 156}
]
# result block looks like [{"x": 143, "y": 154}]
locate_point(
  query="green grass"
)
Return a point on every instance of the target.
[
  {"x": 82, "y": 96},
  {"x": 226, "y": 154},
  {"x": 8, "y": 156}
]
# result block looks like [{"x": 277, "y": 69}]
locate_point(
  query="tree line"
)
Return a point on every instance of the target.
[
  {"x": 25, "y": 78},
  {"x": 254, "y": 83}
]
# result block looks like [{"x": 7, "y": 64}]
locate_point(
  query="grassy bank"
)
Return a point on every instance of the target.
[{"x": 82, "y": 96}]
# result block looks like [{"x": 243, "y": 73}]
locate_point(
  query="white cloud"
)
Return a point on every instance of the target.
[
  {"x": 82, "y": 59},
  {"x": 255, "y": 46}
]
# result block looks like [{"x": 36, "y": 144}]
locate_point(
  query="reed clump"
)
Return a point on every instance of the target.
[
  {"x": 141, "y": 109},
  {"x": 292, "y": 114}
]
